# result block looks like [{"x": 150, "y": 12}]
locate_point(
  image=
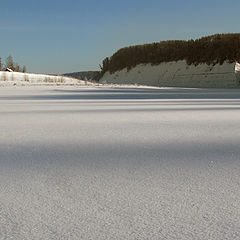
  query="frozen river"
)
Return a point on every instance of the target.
[{"x": 119, "y": 163}]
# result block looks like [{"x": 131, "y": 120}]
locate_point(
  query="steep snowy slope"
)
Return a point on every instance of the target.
[{"x": 178, "y": 74}]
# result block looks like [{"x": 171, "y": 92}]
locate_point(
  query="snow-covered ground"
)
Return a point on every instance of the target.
[
  {"x": 119, "y": 163},
  {"x": 22, "y": 79}
]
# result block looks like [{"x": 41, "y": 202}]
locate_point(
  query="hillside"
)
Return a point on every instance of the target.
[
  {"x": 177, "y": 74},
  {"x": 215, "y": 49},
  {"x": 205, "y": 62}
]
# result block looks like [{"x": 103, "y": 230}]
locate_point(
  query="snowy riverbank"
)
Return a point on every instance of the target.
[
  {"x": 16, "y": 78},
  {"x": 177, "y": 74}
]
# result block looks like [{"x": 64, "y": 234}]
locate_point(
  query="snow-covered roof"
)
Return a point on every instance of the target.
[
  {"x": 237, "y": 67},
  {"x": 9, "y": 70}
]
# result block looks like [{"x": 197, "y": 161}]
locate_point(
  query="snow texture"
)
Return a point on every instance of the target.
[{"x": 119, "y": 163}]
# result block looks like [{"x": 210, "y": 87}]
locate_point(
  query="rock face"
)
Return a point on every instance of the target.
[{"x": 178, "y": 74}]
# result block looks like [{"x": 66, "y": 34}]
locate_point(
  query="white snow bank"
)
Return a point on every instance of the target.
[
  {"x": 16, "y": 78},
  {"x": 178, "y": 74}
]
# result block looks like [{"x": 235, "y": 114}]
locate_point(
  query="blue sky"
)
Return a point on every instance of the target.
[{"x": 58, "y": 36}]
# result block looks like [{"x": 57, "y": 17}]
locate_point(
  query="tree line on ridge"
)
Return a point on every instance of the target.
[{"x": 214, "y": 49}]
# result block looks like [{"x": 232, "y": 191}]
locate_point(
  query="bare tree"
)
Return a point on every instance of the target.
[
  {"x": 9, "y": 62},
  {"x": 16, "y": 67}
]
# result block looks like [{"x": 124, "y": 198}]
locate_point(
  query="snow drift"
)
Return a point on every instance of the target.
[
  {"x": 178, "y": 74},
  {"x": 16, "y": 78}
]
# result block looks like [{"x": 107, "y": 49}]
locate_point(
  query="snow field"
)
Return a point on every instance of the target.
[
  {"x": 16, "y": 78},
  {"x": 119, "y": 163}
]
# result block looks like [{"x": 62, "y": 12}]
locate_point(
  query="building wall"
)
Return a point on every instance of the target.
[{"x": 177, "y": 74}]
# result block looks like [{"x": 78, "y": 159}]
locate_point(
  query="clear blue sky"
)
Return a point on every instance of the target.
[{"x": 58, "y": 36}]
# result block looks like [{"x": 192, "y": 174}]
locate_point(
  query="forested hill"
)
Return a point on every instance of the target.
[
  {"x": 89, "y": 75},
  {"x": 212, "y": 49}
]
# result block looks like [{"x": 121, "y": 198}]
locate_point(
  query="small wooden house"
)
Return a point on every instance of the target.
[{"x": 8, "y": 70}]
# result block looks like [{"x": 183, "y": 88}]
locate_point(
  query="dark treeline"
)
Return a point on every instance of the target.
[
  {"x": 89, "y": 75},
  {"x": 211, "y": 50},
  {"x": 9, "y": 63}
]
